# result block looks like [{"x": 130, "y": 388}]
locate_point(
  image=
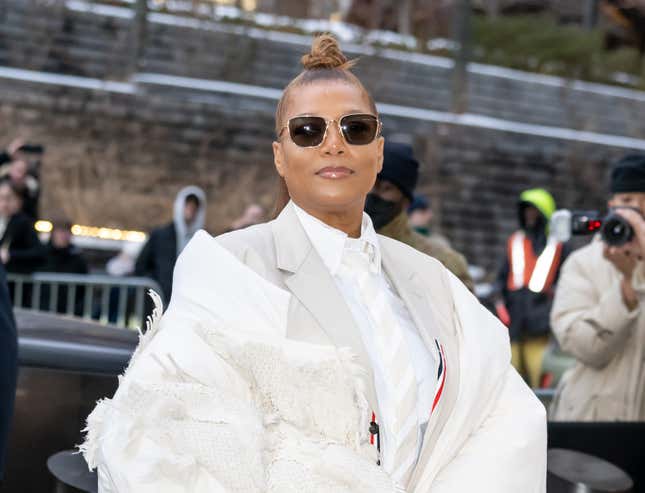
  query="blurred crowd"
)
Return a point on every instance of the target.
[
  {"x": 585, "y": 302},
  {"x": 395, "y": 209},
  {"x": 23, "y": 253},
  {"x": 21, "y": 250}
]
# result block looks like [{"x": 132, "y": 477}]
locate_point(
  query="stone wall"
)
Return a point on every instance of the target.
[
  {"x": 75, "y": 40},
  {"x": 117, "y": 160}
]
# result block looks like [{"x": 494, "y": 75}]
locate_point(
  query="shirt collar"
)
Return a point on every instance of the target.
[{"x": 330, "y": 243}]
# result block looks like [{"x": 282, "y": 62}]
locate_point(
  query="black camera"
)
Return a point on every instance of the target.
[
  {"x": 32, "y": 148},
  {"x": 613, "y": 228}
]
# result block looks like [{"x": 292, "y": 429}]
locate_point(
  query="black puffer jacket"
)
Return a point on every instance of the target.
[
  {"x": 26, "y": 252},
  {"x": 157, "y": 258},
  {"x": 8, "y": 366}
]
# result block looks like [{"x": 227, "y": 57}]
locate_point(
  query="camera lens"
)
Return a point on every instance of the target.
[{"x": 616, "y": 231}]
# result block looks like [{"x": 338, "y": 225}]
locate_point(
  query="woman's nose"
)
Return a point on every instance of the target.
[{"x": 334, "y": 142}]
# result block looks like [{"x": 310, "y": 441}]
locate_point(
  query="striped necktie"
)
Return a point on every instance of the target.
[{"x": 401, "y": 426}]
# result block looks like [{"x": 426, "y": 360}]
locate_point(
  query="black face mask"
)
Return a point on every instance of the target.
[{"x": 380, "y": 210}]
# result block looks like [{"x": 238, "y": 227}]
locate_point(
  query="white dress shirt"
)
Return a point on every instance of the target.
[{"x": 330, "y": 244}]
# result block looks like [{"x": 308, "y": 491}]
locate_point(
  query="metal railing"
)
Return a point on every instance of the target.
[{"x": 119, "y": 301}]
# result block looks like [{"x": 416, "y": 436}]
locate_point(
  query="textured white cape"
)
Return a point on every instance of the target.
[{"x": 216, "y": 399}]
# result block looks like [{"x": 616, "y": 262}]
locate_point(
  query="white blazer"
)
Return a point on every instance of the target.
[{"x": 488, "y": 432}]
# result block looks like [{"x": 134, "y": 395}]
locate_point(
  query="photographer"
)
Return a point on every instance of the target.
[
  {"x": 598, "y": 317},
  {"x": 7, "y": 155}
]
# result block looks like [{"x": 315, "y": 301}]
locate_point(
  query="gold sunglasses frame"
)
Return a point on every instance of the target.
[{"x": 379, "y": 127}]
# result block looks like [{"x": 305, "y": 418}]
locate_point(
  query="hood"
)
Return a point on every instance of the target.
[
  {"x": 186, "y": 231},
  {"x": 539, "y": 198}
]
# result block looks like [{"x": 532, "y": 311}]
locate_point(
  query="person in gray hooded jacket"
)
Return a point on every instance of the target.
[{"x": 158, "y": 256}]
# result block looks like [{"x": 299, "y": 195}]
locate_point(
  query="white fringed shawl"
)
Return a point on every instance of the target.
[{"x": 216, "y": 398}]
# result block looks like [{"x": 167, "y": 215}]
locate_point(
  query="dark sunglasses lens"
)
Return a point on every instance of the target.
[
  {"x": 359, "y": 129},
  {"x": 307, "y": 131}
]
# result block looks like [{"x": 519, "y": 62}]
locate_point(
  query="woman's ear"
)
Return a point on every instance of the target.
[{"x": 278, "y": 158}]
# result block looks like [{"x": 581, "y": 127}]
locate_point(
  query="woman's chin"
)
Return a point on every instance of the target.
[{"x": 340, "y": 203}]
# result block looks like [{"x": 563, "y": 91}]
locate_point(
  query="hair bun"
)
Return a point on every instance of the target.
[{"x": 325, "y": 54}]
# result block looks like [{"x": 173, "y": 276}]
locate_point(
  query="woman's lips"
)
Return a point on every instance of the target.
[{"x": 333, "y": 173}]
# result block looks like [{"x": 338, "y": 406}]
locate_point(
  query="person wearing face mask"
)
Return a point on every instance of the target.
[
  {"x": 598, "y": 314},
  {"x": 158, "y": 256},
  {"x": 311, "y": 354},
  {"x": 387, "y": 205},
  {"x": 420, "y": 217}
]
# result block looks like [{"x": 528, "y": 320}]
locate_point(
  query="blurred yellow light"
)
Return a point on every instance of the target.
[
  {"x": 94, "y": 232},
  {"x": 249, "y": 5},
  {"x": 43, "y": 226},
  {"x": 137, "y": 236}
]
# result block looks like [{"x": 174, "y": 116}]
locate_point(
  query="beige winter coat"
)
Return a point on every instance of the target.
[{"x": 592, "y": 323}]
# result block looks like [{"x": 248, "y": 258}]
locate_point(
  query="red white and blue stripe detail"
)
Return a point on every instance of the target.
[{"x": 441, "y": 375}]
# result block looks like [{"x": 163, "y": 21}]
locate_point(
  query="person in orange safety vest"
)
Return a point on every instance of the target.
[{"x": 526, "y": 280}]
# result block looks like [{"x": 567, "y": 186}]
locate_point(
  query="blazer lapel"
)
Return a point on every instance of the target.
[
  {"x": 449, "y": 340},
  {"x": 431, "y": 306},
  {"x": 413, "y": 293},
  {"x": 311, "y": 283}
]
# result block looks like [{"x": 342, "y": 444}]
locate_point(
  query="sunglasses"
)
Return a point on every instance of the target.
[{"x": 357, "y": 129}]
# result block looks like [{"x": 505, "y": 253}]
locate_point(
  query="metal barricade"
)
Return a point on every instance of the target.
[{"x": 119, "y": 301}]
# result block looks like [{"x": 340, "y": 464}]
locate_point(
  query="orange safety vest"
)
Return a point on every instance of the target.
[{"x": 529, "y": 270}]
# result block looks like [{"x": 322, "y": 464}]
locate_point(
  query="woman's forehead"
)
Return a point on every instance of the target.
[{"x": 329, "y": 99}]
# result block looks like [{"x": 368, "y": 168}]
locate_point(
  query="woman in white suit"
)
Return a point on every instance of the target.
[{"x": 310, "y": 354}]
